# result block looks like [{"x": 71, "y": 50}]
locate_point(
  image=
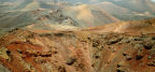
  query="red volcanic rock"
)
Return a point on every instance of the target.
[{"x": 77, "y": 51}]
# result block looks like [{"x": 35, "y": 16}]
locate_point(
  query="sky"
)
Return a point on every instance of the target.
[{"x": 153, "y": 0}]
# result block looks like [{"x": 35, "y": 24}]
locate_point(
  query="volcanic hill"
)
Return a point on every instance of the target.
[{"x": 78, "y": 51}]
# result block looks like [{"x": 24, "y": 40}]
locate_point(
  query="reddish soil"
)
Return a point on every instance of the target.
[{"x": 77, "y": 51}]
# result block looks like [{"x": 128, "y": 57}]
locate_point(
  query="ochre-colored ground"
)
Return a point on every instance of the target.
[{"x": 77, "y": 51}]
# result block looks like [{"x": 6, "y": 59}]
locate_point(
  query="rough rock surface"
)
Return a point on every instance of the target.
[
  {"x": 3, "y": 69},
  {"x": 77, "y": 51}
]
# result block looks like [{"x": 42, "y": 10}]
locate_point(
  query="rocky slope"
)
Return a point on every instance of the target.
[
  {"x": 41, "y": 40},
  {"x": 77, "y": 51},
  {"x": 86, "y": 50}
]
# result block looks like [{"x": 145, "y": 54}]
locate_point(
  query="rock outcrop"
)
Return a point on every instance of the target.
[{"x": 77, "y": 51}]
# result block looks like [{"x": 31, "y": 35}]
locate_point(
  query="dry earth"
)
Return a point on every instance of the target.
[{"x": 76, "y": 51}]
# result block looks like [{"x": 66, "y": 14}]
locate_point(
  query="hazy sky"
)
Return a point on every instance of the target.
[{"x": 153, "y": 0}]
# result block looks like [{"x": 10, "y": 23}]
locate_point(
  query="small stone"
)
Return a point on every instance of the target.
[
  {"x": 153, "y": 38},
  {"x": 118, "y": 65},
  {"x": 120, "y": 70},
  {"x": 89, "y": 38},
  {"x": 128, "y": 57},
  {"x": 62, "y": 69},
  {"x": 151, "y": 64},
  {"x": 137, "y": 39},
  {"x": 148, "y": 46},
  {"x": 138, "y": 57},
  {"x": 95, "y": 44},
  {"x": 70, "y": 61},
  {"x": 97, "y": 57},
  {"x": 19, "y": 51},
  {"x": 124, "y": 54}
]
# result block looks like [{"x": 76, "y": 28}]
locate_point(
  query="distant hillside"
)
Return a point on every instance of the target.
[
  {"x": 113, "y": 8},
  {"x": 30, "y": 12},
  {"x": 142, "y": 26},
  {"x": 135, "y": 5},
  {"x": 40, "y": 18},
  {"x": 123, "y": 13},
  {"x": 37, "y": 13},
  {"x": 89, "y": 15},
  {"x": 124, "y": 9}
]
